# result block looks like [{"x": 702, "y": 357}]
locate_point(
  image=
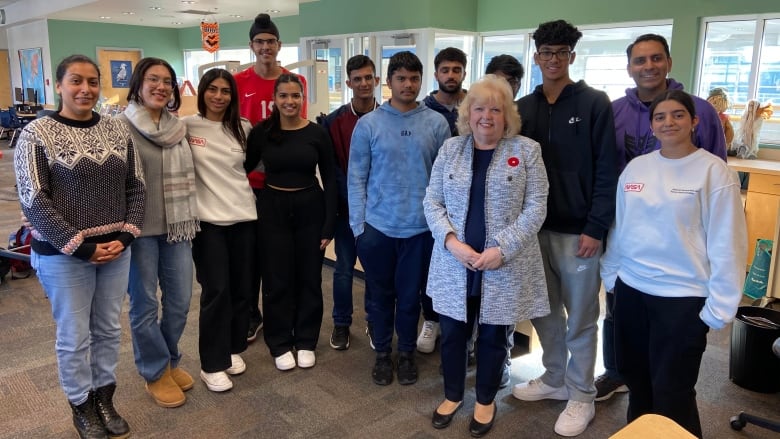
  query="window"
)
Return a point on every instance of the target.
[
  {"x": 743, "y": 56},
  {"x": 601, "y": 55},
  {"x": 195, "y": 58},
  {"x": 514, "y": 45},
  {"x": 462, "y": 42}
]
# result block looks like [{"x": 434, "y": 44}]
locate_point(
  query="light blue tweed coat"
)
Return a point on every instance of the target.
[{"x": 515, "y": 208}]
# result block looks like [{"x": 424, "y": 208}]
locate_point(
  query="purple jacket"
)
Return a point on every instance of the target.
[{"x": 634, "y": 135}]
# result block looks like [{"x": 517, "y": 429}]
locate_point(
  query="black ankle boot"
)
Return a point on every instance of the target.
[
  {"x": 86, "y": 420},
  {"x": 104, "y": 406}
]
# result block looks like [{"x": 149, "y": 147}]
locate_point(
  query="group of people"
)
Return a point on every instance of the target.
[
  {"x": 476, "y": 209},
  {"x": 129, "y": 205},
  {"x": 514, "y": 210}
]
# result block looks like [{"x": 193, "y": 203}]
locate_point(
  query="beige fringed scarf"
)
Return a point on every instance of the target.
[{"x": 181, "y": 211}]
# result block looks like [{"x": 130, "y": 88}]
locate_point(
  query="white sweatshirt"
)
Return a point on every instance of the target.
[
  {"x": 223, "y": 191},
  {"x": 680, "y": 232}
]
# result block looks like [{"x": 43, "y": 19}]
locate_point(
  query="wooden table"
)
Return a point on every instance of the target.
[
  {"x": 652, "y": 427},
  {"x": 26, "y": 117}
]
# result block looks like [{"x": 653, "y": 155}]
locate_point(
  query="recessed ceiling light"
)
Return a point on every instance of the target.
[
  {"x": 188, "y": 2},
  {"x": 272, "y": 11},
  {"x": 155, "y": 8},
  {"x": 105, "y": 17},
  {"x": 128, "y": 13},
  {"x": 236, "y": 16},
  {"x": 176, "y": 22}
]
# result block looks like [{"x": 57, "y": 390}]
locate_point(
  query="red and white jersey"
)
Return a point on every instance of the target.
[{"x": 256, "y": 95}]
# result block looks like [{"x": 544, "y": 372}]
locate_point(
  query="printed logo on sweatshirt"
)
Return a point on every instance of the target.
[
  {"x": 633, "y": 187},
  {"x": 406, "y": 133},
  {"x": 197, "y": 141},
  {"x": 574, "y": 119},
  {"x": 685, "y": 191}
]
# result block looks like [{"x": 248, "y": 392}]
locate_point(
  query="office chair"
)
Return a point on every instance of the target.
[
  {"x": 739, "y": 421},
  {"x": 17, "y": 123},
  {"x": 9, "y": 123}
]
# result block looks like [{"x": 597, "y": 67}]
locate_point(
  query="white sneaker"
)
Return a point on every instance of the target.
[
  {"x": 574, "y": 419},
  {"x": 216, "y": 381},
  {"x": 426, "y": 341},
  {"x": 237, "y": 365},
  {"x": 536, "y": 390},
  {"x": 306, "y": 358},
  {"x": 285, "y": 361}
]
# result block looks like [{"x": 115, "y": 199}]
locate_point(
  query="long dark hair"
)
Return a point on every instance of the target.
[
  {"x": 137, "y": 81},
  {"x": 231, "y": 120},
  {"x": 273, "y": 125},
  {"x": 62, "y": 69}
]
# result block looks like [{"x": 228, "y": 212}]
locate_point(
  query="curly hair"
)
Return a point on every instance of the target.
[{"x": 555, "y": 33}]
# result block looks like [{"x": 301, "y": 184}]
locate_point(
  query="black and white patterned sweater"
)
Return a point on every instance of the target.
[{"x": 79, "y": 183}]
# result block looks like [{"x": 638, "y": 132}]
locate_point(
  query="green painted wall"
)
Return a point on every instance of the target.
[
  {"x": 337, "y": 17},
  {"x": 498, "y": 15},
  {"x": 69, "y": 37},
  {"x": 234, "y": 35}
]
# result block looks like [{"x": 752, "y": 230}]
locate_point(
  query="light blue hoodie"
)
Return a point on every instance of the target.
[{"x": 390, "y": 160}]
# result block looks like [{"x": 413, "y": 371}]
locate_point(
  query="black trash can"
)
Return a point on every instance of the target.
[{"x": 752, "y": 364}]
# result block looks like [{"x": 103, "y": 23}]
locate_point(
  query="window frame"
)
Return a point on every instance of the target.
[{"x": 755, "y": 62}]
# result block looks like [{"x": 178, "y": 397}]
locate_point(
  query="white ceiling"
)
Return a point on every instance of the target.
[{"x": 171, "y": 13}]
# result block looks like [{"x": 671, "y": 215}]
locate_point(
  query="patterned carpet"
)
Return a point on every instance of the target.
[{"x": 335, "y": 399}]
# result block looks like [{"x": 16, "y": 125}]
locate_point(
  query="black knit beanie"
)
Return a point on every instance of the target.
[{"x": 263, "y": 24}]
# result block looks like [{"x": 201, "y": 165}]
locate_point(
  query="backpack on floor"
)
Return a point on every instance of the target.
[{"x": 19, "y": 242}]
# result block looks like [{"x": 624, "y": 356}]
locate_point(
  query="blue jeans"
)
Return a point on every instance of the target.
[
  {"x": 155, "y": 337},
  {"x": 86, "y": 300},
  {"x": 394, "y": 269},
  {"x": 346, "y": 256}
]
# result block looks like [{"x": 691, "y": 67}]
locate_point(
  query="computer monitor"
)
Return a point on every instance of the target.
[
  {"x": 32, "y": 96},
  {"x": 19, "y": 95}
]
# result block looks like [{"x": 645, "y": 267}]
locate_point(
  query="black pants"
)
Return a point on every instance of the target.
[
  {"x": 224, "y": 261},
  {"x": 659, "y": 343},
  {"x": 491, "y": 350},
  {"x": 291, "y": 224},
  {"x": 257, "y": 279}
]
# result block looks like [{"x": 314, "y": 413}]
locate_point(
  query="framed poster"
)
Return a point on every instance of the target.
[
  {"x": 120, "y": 73},
  {"x": 115, "y": 79},
  {"x": 31, "y": 61}
]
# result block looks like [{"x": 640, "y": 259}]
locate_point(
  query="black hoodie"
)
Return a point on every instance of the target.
[{"x": 577, "y": 134}]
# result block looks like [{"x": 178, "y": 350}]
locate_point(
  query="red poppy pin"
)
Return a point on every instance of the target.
[{"x": 513, "y": 161}]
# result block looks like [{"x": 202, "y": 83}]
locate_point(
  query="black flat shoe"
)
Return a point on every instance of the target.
[
  {"x": 443, "y": 421},
  {"x": 478, "y": 429}
]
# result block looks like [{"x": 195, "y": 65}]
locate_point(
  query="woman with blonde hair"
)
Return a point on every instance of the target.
[{"x": 485, "y": 204}]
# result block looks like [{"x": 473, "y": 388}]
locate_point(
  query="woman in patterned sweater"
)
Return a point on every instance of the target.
[{"x": 81, "y": 188}]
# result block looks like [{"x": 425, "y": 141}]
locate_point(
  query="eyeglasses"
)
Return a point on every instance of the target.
[
  {"x": 261, "y": 42},
  {"x": 155, "y": 81},
  {"x": 547, "y": 55}
]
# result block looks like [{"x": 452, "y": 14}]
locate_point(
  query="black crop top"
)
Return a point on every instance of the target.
[{"x": 292, "y": 163}]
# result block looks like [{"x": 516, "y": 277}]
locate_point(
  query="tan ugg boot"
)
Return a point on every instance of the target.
[
  {"x": 182, "y": 378},
  {"x": 165, "y": 391}
]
